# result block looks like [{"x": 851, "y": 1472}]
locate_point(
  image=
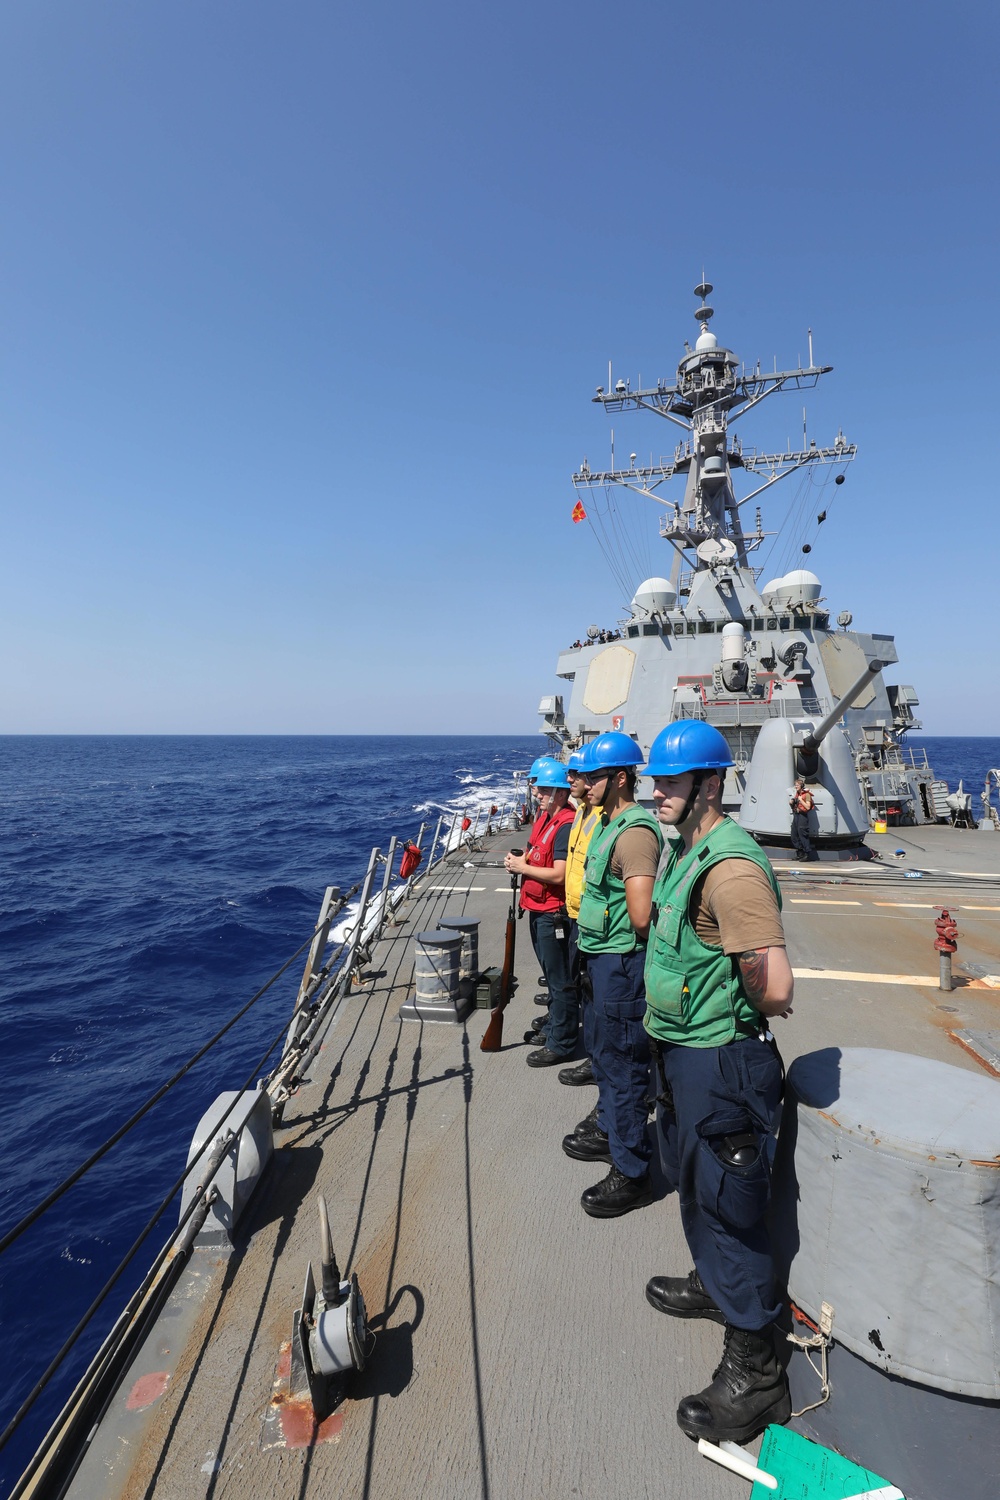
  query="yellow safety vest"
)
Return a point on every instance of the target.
[{"x": 580, "y": 835}]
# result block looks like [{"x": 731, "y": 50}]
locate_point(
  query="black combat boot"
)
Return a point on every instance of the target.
[
  {"x": 749, "y": 1390},
  {"x": 581, "y": 1073},
  {"x": 544, "y": 1057},
  {"x": 616, "y": 1194},
  {"x": 588, "y": 1147},
  {"x": 588, "y": 1141},
  {"x": 682, "y": 1297}
]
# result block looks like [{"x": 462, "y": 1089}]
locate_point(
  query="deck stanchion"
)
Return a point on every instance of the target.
[
  {"x": 314, "y": 963},
  {"x": 362, "y": 913},
  {"x": 383, "y": 910},
  {"x": 434, "y": 841}
]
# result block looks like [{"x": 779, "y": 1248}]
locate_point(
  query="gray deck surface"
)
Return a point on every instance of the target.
[{"x": 516, "y": 1354}]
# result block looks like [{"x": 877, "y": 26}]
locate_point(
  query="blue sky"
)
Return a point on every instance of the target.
[{"x": 302, "y": 305}]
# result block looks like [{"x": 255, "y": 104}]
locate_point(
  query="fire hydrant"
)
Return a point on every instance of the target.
[{"x": 946, "y": 944}]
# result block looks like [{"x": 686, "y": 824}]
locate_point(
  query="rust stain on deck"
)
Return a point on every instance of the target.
[
  {"x": 147, "y": 1389},
  {"x": 300, "y": 1428}
]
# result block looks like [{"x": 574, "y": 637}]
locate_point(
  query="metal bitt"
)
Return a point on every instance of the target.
[
  {"x": 946, "y": 944},
  {"x": 330, "y": 1330}
]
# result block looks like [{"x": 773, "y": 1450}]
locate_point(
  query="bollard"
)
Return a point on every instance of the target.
[
  {"x": 946, "y": 944},
  {"x": 468, "y": 971},
  {"x": 436, "y": 996}
]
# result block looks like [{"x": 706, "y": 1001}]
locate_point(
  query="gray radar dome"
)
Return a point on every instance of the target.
[
  {"x": 798, "y": 587},
  {"x": 653, "y": 597}
]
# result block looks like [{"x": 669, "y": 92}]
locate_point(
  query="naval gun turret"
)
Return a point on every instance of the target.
[{"x": 821, "y": 753}]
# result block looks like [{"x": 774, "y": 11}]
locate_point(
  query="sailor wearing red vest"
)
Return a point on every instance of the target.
[{"x": 543, "y": 896}]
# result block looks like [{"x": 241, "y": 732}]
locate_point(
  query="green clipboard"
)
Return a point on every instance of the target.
[{"x": 807, "y": 1471}]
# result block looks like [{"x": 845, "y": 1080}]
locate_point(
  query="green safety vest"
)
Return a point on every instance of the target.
[
  {"x": 603, "y": 925},
  {"x": 695, "y": 994}
]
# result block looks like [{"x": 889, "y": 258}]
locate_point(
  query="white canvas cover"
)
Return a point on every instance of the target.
[{"x": 887, "y": 1206}]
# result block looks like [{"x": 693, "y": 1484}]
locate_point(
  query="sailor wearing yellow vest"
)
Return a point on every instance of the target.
[
  {"x": 586, "y": 820},
  {"x": 612, "y": 927},
  {"x": 716, "y": 968}
]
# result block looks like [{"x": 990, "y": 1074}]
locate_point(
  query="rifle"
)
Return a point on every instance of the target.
[{"x": 493, "y": 1035}]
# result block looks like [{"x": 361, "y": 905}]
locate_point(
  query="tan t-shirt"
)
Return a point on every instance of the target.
[
  {"x": 734, "y": 908},
  {"x": 636, "y": 852}
]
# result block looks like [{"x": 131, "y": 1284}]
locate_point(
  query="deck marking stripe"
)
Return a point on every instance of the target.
[
  {"x": 978, "y": 908},
  {"x": 919, "y": 905},
  {"x": 922, "y": 981},
  {"x": 810, "y": 901},
  {"x": 917, "y": 979},
  {"x": 462, "y": 888}
]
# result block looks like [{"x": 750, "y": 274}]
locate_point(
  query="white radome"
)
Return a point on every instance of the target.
[
  {"x": 653, "y": 596},
  {"x": 799, "y": 587}
]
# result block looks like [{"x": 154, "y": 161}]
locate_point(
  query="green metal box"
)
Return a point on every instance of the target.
[{"x": 488, "y": 989}]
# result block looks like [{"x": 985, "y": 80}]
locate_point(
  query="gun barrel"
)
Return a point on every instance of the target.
[{"x": 817, "y": 735}]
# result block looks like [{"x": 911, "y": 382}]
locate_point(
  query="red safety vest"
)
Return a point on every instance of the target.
[{"x": 534, "y": 895}]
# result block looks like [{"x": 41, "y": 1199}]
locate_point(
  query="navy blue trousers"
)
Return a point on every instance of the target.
[
  {"x": 718, "y": 1092},
  {"x": 619, "y": 1053},
  {"x": 582, "y": 989},
  {"x": 801, "y": 842},
  {"x": 563, "y": 1018}
]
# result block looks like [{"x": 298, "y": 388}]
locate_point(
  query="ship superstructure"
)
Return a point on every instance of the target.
[{"x": 763, "y": 662}]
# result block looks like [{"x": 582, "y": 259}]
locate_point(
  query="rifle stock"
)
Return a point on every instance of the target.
[{"x": 493, "y": 1035}]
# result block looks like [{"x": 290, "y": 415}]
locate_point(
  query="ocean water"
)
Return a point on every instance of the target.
[
  {"x": 967, "y": 759},
  {"x": 148, "y": 887}
]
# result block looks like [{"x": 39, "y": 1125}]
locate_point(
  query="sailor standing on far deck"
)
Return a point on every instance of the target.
[
  {"x": 543, "y": 871},
  {"x": 802, "y": 804},
  {"x": 716, "y": 968},
  {"x": 611, "y": 933}
]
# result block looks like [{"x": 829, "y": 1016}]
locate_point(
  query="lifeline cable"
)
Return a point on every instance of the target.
[
  {"x": 210, "y": 1143},
  {"x": 57, "y": 1192}
]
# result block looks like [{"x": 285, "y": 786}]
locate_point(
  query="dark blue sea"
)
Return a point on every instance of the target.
[{"x": 148, "y": 887}]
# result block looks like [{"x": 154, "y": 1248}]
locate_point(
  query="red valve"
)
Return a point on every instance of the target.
[{"x": 947, "y": 932}]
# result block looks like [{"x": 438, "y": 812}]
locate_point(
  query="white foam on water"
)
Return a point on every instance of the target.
[{"x": 341, "y": 931}]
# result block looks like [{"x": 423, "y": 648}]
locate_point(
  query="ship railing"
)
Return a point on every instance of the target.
[
  {"x": 742, "y": 714},
  {"x": 328, "y": 980}
]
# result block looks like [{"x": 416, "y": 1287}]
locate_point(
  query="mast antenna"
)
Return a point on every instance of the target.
[{"x": 811, "y": 365}]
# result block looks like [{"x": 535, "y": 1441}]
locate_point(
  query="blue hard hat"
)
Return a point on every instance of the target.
[
  {"x": 688, "y": 745},
  {"x": 577, "y": 761},
  {"x": 612, "y": 751},
  {"x": 535, "y": 764},
  {"x": 551, "y": 773}
]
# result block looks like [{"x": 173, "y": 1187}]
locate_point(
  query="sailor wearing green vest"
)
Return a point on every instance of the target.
[
  {"x": 716, "y": 968},
  {"x": 612, "y": 927},
  {"x": 582, "y": 831}
]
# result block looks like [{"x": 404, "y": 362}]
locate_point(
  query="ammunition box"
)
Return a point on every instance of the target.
[{"x": 488, "y": 989}]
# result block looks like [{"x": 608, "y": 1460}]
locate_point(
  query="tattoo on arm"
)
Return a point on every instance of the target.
[{"x": 753, "y": 967}]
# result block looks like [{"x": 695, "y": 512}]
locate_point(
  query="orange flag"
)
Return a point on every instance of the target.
[{"x": 579, "y": 514}]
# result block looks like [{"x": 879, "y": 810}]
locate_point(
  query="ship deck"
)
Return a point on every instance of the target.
[{"x": 515, "y": 1353}]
